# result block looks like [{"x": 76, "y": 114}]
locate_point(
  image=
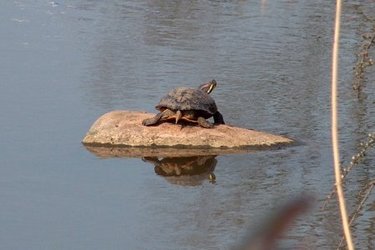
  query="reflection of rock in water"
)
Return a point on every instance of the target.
[{"x": 189, "y": 171}]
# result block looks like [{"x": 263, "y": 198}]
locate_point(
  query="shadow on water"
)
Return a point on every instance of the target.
[
  {"x": 186, "y": 171},
  {"x": 187, "y": 167}
]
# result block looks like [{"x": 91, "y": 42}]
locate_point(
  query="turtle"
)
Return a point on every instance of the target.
[{"x": 188, "y": 104}]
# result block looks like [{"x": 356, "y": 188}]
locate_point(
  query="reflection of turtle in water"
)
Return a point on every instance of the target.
[
  {"x": 192, "y": 170},
  {"x": 192, "y": 105}
]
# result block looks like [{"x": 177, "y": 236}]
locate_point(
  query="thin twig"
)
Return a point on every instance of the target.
[
  {"x": 334, "y": 128},
  {"x": 363, "y": 62},
  {"x": 356, "y": 159},
  {"x": 367, "y": 192},
  {"x": 363, "y": 56}
]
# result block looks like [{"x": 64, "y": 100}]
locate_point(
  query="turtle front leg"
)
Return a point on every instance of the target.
[
  {"x": 157, "y": 118},
  {"x": 218, "y": 118},
  {"x": 204, "y": 123}
]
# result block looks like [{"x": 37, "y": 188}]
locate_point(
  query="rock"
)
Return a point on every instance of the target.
[{"x": 124, "y": 128}]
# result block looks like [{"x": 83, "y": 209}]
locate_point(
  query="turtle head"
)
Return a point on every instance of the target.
[{"x": 208, "y": 86}]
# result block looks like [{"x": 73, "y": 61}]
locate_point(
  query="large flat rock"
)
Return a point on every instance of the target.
[{"x": 124, "y": 128}]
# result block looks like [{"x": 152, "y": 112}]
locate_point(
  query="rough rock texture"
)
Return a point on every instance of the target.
[{"x": 124, "y": 128}]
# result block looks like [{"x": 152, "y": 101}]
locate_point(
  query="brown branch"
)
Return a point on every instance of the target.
[{"x": 334, "y": 129}]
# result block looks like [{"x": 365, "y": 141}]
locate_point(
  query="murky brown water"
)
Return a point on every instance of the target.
[{"x": 64, "y": 63}]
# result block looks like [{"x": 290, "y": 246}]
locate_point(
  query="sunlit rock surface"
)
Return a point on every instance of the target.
[{"x": 124, "y": 128}]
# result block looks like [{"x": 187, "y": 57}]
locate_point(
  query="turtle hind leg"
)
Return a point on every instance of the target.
[
  {"x": 152, "y": 121},
  {"x": 158, "y": 118},
  {"x": 218, "y": 118},
  {"x": 204, "y": 123}
]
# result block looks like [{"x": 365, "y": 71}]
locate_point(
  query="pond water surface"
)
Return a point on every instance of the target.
[{"x": 64, "y": 63}]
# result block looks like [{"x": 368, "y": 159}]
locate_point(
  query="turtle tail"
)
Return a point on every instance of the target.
[{"x": 178, "y": 115}]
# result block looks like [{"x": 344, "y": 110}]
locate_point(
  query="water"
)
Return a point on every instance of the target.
[{"x": 64, "y": 63}]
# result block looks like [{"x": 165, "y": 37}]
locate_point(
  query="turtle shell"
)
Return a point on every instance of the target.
[{"x": 188, "y": 99}]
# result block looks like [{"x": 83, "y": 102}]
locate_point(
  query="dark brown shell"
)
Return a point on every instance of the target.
[{"x": 188, "y": 99}]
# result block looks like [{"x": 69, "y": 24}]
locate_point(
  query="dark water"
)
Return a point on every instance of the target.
[{"x": 64, "y": 63}]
